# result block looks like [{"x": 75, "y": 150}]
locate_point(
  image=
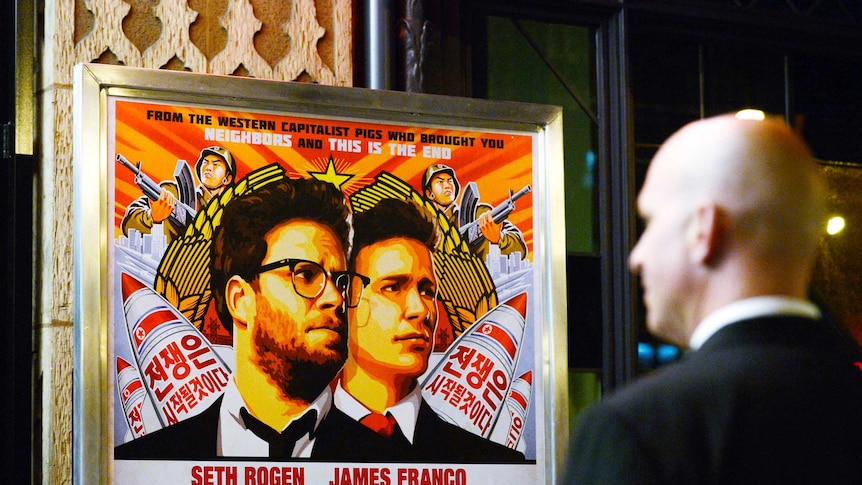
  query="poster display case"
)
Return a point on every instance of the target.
[{"x": 185, "y": 359}]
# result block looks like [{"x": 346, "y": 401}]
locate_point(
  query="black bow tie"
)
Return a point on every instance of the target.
[{"x": 281, "y": 444}]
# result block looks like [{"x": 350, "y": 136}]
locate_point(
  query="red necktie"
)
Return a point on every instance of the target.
[{"x": 380, "y": 424}]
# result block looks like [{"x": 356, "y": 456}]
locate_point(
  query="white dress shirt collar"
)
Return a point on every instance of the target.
[
  {"x": 750, "y": 308},
  {"x": 234, "y": 439},
  {"x": 405, "y": 411}
]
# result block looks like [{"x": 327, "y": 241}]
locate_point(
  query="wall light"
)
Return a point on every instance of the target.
[
  {"x": 835, "y": 225},
  {"x": 751, "y": 114}
]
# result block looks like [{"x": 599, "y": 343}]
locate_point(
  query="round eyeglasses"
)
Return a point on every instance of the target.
[{"x": 309, "y": 279}]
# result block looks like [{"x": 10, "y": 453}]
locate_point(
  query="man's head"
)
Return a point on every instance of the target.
[
  {"x": 215, "y": 168},
  {"x": 440, "y": 185},
  {"x": 733, "y": 209},
  {"x": 276, "y": 277},
  {"x": 392, "y": 328}
]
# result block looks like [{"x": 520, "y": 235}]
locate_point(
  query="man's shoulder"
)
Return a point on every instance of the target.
[
  {"x": 439, "y": 440},
  {"x": 740, "y": 356},
  {"x": 670, "y": 392},
  {"x": 190, "y": 439}
]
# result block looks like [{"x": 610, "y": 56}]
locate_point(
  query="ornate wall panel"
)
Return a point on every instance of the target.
[{"x": 307, "y": 40}]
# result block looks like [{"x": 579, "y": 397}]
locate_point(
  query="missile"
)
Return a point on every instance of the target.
[
  {"x": 181, "y": 372},
  {"x": 469, "y": 384},
  {"x": 510, "y": 426},
  {"x": 130, "y": 389}
]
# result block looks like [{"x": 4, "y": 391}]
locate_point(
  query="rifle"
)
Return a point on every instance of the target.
[
  {"x": 469, "y": 226},
  {"x": 184, "y": 211}
]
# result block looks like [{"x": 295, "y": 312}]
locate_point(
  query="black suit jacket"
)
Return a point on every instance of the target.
[
  {"x": 436, "y": 440},
  {"x": 765, "y": 401},
  {"x": 196, "y": 438},
  {"x": 339, "y": 438}
]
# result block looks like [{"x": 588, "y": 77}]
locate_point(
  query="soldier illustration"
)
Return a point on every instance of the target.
[
  {"x": 479, "y": 223},
  {"x": 172, "y": 203}
]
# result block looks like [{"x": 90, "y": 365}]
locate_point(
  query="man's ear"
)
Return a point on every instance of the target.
[
  {"x": 705, "y": 234},
  {"x": 239, "y": 297}
]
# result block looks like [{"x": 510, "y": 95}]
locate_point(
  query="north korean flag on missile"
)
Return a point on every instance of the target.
[
  {"x": 180, "y": 370},
  {"x": 471, "y": 381}
]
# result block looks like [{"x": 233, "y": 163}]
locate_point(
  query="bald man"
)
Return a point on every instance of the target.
[{"x": 767, "y": 392}]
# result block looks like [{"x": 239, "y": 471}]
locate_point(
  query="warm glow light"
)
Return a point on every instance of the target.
[
  {"x": 751, "y": 114},
  {"x": 835, "y": 225}
]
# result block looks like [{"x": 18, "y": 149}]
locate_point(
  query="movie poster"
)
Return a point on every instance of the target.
[{"x": 221, "y": 374}]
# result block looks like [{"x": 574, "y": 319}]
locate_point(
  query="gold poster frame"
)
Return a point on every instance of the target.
[{"x": 100, "y": 89}]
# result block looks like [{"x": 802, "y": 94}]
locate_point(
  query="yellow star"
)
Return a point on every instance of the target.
[{"x": 331, "y": 176}]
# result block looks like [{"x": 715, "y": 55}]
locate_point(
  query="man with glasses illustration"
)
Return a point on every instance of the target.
[{"x": 280, "y": 287}]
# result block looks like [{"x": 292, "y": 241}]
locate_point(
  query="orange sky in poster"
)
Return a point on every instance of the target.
[{"x": 141, "y": 133}]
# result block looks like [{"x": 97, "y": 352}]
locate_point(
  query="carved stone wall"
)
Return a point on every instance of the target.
[
  {"x": 298, "y": 40},
  {"x": 304, "y": 40}
]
